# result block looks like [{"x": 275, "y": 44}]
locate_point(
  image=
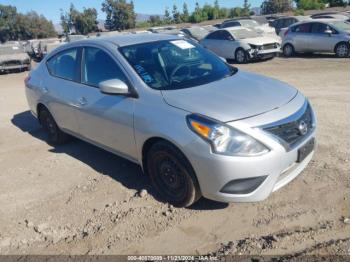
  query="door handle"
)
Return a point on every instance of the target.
[{"x": 82, "y": 101}]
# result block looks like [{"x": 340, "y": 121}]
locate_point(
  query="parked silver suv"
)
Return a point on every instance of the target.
[
  {"x": 196, "y": 125},
  {"x": 318, "y": 36}
]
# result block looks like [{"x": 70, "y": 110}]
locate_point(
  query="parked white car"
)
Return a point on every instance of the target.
[
  {"x": 241, "y": 44},
  {"x": 263, "y": 29}
]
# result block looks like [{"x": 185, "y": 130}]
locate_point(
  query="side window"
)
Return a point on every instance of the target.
[
  {"x": 98, "y": 66},
  {"x": 233, "y": 23},
  {"x": 319, "y": 28},
  {"x": 215, "y": 35},
  {"x": 65, "y": 65},
  {"x": 227, "y": 36},
  {"x": 303, "y": 28}
]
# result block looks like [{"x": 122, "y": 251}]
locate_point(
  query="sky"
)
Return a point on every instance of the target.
[{"x": 51, "y": 8}]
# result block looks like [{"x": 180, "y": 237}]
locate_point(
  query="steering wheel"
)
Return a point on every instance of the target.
[{"x": 177, "y": 69}]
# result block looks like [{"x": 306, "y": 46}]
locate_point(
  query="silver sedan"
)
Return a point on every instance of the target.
[
  {"x": 196, "y": 125},
  {"x": 318, "y": 36}
]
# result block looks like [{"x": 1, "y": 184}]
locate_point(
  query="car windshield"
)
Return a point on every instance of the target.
[
  {"x": 244, "y": 33},
  {"x": 340, "y": 25},
  {"x": 177, "y": 64},
  {"x": 10, "y": 49},
  {"x": 199, "y": 32},
  {"x": 248, "y": 23}
]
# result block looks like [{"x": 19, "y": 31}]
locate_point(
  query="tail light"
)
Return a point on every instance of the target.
[{"x": 286, "y": 33}]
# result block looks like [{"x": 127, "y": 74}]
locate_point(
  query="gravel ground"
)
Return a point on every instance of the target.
[{"x": 78, "y": 199}]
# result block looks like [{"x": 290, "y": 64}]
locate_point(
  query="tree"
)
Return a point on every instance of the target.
[
  {"x": 155, "y": 20},
  {"x": 196, "y": 16},
  {"x": 246, "y": 8},
  {"x": 309, "y": 4},
  {"x": 235, "y": 12},
  {"x": 216, "y": 10},
  {"x": 79, "y": 22},
  {"x": 167, "y": 17},
  {"x": 185, "y": 17},
  {"x": 176, "y": 15},
  {"x": 276, "y": 6},
  {"x": 120, "y": 14},
  {"x": 17, "y": 26}
]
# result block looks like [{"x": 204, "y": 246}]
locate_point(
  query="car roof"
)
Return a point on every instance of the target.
[
  {"x": 326, "y": 21},
  {"x": 130, "y": 39}
]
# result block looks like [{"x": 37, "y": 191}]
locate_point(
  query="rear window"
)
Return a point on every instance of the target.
[{"x": 302, "y": 28}]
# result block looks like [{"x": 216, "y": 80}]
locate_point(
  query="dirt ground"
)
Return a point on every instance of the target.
[{"x": 78, "y": 199}]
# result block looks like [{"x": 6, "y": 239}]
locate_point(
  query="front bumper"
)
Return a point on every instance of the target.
[
  {"x": 279, "y": 166},
  {"x": 263, "y": 54},
  {"x": 13, "y": 67}
]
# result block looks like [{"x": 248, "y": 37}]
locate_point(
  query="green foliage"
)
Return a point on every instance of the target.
[
  {"x": 275, "y": 6},
  {"x": 17, "y": 26},
  {"x": 298, "y": 12},
  {"x": 82, "y": 22},
  {"x": 235, "y": 12},
  {"x": 310, "y": 4},
  {"x": 120, "y": 14},
  {"x": 246, "y": 8},
  {"x": 176, "y": 15},
  {"x": 185, "y": 16},
  {"x": 167, "y": 17}
]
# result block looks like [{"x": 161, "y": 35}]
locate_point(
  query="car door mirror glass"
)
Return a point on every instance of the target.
[{"x": 114, "y": 87}]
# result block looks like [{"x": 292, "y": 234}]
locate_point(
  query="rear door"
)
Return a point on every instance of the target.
[
  {"x": 301, "y": 37},
  {"x": 61, "y": 87}
]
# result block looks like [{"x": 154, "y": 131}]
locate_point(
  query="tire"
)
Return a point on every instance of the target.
[
  {"x": 288, "y": 50},
  {"x": 55, "y": 135},
  {"x": 172, "y": 175},
  {"x": 241, "y": 56},
  {"x": 342, "y": 50}
]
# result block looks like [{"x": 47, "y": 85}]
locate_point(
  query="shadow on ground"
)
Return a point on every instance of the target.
[{"x": 125, "y": 172}]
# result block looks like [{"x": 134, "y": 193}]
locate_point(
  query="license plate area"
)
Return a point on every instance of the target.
[{"x": 305, "y": 150}]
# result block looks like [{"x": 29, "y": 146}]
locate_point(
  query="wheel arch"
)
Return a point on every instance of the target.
[
  {"x": 40, "y": 106},
  {"x": 153, "y": 140},
  {"x": 340, "y": 42}
]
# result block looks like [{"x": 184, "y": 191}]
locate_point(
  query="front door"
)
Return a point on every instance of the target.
[{"x": 104, "y": 119}]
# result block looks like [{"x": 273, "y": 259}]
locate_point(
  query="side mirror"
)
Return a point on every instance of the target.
[
  {"x": 114, "y": 87},
  {"x": 328, "y": 32}
]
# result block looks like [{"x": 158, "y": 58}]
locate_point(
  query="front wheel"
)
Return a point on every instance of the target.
[
  {"x": 172, "y": 175},
  {"x": 342, "y": 50},
  {"x": 241, "y": 56}
]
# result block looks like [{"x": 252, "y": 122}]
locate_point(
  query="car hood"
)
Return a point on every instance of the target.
[
  {"x": 262, "y": 40},
  {"x": 20, "y": 56},
  {"x": 237, "y": 97}
]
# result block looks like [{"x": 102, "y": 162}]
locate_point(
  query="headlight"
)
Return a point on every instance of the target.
[{"x": 224, "y": 139}]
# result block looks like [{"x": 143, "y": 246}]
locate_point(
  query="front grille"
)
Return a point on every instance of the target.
[
  {"x": 12, "y": 63},
  {"x": 269, "y": 46},
  {"x": 294, "y": 131}
]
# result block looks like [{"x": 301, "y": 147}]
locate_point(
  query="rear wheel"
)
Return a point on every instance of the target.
[
  {"x": 172, "y": 175},
  {"x": 342, "y": 50},
  {"x": 241, "y": 56},
  {"x": 288, "y": 50},
  {"x": 55, "y": 135}
]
